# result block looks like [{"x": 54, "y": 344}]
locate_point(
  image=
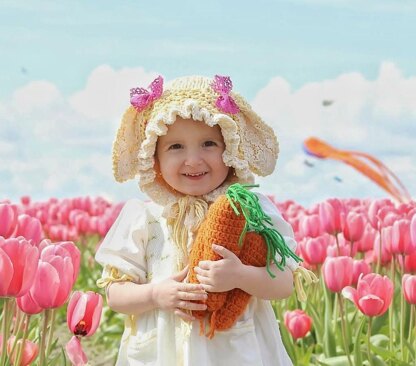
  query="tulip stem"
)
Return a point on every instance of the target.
[
  {"x": 16, "y": 332},
  {"x": 402, "y": 310},
  {"x": 4, "y": 330},
  {"x": 370, "y": 359},
  {"x": 409, "y": 336},
  {"x": 50, "y": 335},
  {"x": 379, "y": 253},
  {"x": 414, "y": 313},
  {"x": 21, "y": 347},
  {"x": 43, "y": 338},
  {"x": 343, "y": 328},
  {"x": 391, "y": 319},
  {"x": 337, "y": 242}
]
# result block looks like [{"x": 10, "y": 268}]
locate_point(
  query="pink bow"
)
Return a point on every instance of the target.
[
  {"x": 223, "y": 85},
  {"x": 141, "y": 98}
]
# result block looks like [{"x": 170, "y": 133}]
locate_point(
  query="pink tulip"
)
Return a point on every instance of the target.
[
  {"x": 309, "y": 226},
  {"x": 62, "y": 248},
  {"x": 353, "y": 226},
  {"x": 62, "y": 232},
  {"x": 30, "y": 228},
  {"x": 8, "y": 219},
  {"x": 338, "y": 251},
  {"x": 330, "y": 216},
  {"x": 373, "y": 295},
  {"x": 84, "y": 312},
  {"x": 367, "y": 240},
  {"x": 401, "y": 242},
  {"x": 360, "y": 266},
  {"x": 28, "y": 305},
  {"x": 410, "y": 263},
  {"x": 337, "y": 272},
  {"x": 413, "y": 228},
  {"x": 409, "y": 288},
  {"x": 298, "y": 323},
  {"x": 30, "y": 351},
  {"x": 374, "y": 211},
  {"x": 385, "y": 254},
  {"x": 25, "y": 200},
  {"x": 313, "y": 250},
  {"x": 55, "y": 276},
  {"x": 18, "y": 264},
  {"x": 75, "y": 352}
]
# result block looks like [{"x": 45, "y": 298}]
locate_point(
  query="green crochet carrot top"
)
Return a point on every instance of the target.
[{"x": 259, "y": 222}]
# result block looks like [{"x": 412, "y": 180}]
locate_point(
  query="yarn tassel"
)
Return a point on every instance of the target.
[
  {"x": 259, "y": 222},
  {"x": 308, "y": 276}
]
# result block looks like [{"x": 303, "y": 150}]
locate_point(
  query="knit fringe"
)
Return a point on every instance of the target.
[{"x": 259, "y": 222}]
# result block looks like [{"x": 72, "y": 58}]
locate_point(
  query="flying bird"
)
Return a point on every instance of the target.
[
  {"x": 308, "y": 163},
  {"x": 327, "y": 102}
]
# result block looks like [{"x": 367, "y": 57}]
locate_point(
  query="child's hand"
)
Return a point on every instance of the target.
[
  {"x": 173, "y": 294},
  {"x": 221, "y": 275}
]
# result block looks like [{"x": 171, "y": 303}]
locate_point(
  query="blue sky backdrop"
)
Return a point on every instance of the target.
[{"x": 66, "y": 69}]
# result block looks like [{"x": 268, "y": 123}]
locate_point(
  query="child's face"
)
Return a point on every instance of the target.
[{"x": 190, "y": 157}]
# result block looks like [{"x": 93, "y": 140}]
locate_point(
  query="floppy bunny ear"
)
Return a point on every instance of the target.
[
  {"x": 126, "y": 146},
  {"x": 259, "y": 144}
]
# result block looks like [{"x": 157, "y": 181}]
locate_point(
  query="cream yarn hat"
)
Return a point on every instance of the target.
[{"x": 251, "y": 145}]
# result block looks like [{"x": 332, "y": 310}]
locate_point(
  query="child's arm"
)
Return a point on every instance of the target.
[
  {"x": 170, "y": 294},
  {"x": 228, "y": 273}
]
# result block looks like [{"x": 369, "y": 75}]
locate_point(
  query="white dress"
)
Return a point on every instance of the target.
[{"x": 138, "y": 245}]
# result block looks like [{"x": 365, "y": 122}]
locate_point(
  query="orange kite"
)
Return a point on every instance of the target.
[{"x": 366, "y": 164}]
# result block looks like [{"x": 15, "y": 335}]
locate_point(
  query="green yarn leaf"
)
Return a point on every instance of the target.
[{"x": 259, "y": 222}]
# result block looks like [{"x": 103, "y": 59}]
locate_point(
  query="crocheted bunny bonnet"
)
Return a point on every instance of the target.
[{"x": 251, "y": 146}]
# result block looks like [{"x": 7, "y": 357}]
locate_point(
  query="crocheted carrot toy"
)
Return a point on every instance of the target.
[{"x": 237, "y": 222}]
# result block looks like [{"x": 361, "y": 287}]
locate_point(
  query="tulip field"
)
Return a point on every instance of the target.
[{"x": 362, "y": 311}]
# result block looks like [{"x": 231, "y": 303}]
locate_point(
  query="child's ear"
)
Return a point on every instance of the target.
[{"x": 231, "y": 172}]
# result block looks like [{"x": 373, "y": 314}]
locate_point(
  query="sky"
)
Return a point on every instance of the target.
[{"x": 67, "y": 68}]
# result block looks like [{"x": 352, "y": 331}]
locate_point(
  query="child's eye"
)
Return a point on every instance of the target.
[
  {"x": 175, "y": 147},
  {"x": 209, "y": 143}
]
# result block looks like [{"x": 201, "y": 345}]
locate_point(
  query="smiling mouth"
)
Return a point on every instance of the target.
[{"x": 195, "y": 174}]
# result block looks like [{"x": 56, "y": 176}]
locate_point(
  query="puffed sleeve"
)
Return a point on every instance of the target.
[
  {"x": 122, "y": 252},
  {"x": 281, "y": 225}
]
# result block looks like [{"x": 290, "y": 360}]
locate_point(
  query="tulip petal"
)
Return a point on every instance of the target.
[
  {"x": 63, "y": 266},
  {"x": 30, "y": 351},
  {"x": 24, "y": 257},
  {"x": 6, "y": 266},
  {"x": 46, "y": 285},
  {"x": 78, "y": 312},
  {"x": 96, "y": 307},
  {"x": 371, "y": 305},
  {"x": 70, "y": 309},
  {"x": 75, "y": 352},
  {"x": 350, "y": 293},
  {"x": 75, "y": 255}
]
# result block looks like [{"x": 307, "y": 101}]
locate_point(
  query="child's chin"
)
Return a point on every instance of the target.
[{"x": 197, "y": 191}]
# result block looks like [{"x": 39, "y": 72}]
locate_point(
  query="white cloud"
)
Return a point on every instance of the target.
[
  {"x": 351, "y": 113},
  {"x": 52, "y": 145},
  {"x": 36, "y": 95},
  {"x": 106, "y": 94}
]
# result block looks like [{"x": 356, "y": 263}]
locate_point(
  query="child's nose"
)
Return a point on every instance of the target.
[{"x": 193, "y": 159}]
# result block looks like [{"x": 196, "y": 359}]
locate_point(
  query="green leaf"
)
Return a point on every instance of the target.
[
  {"x": 377, "y": 361},
  {"x": 357, "y": 352},
  {"x": 334, "y": 361},
  {"x": 380, "y": 340},
  {"x": 288, "y": 343},
  {"x": 317, "y": 322},
  {"x": 378, "y": 322},
  {"x": 329, "y": 337}
]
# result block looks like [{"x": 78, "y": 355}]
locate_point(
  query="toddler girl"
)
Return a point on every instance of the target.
[{"x": 187, "y": 143}]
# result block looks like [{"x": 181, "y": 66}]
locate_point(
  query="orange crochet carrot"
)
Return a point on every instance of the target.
[
  {"x": 237, "y": 222},
  {"x": 223, "y": 226}
]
